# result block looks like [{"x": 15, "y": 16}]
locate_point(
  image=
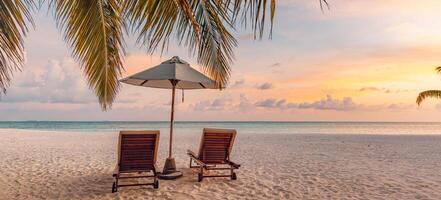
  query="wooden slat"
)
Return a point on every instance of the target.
[
  {"x": 131, "y": 139},
  {"x": 134, "y": 161},
  {"x": 137, "y": 152},
  {"x": 137, "y": 167},
  {"x": 139, "y": 146},
  {"x": 215, "y": 145},
  {"x": 137, "y": 156}
]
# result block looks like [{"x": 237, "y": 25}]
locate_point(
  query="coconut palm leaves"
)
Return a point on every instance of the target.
[
  {"x": 429, "y": 93},
  {"x": 203, "y": 26},
  {"x": 93, "y": 29},
  {"x": 14, "y": 19}
]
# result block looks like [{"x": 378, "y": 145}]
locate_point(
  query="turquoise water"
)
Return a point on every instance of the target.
[{"x": 393, "y": 128}]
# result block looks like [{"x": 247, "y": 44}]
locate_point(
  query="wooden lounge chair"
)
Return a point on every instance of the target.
[
  {"x": 136, "y": 157},
  {"x": 214, "y": 153}
]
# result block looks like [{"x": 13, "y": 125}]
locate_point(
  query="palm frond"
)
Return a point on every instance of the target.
[
  {"x": 438, "y": 69},
  {"x": 156, "y": 20},
  {"x": 253, "y": 12},
  {"x": 206, "y": 31},
  {"x": 215, "y": 48},
  {"x": 323, "y": 4},
  {"x": 429, "y": 93},
  {"x": 188, "y": 12},
  {"x": 93, "y": 30},
  {"x": 14, "y": 19}
]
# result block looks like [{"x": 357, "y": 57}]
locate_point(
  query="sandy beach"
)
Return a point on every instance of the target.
[{"x": 78, "y": 165}]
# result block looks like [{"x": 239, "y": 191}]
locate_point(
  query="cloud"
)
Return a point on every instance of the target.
[
  {"x": 55, "y": 82},
  {"x": 369, "y": 89},
  {"x": 216, "y": 104},
  {"x": 244, "y": 103},
  {"x": 265, "y": 86},
  {"x": 238, "y": 83},
  {"x": 400, "y": 106},
  {"x": 276, "y": 68},
  {"x": 271, "y": 103},
  {"x": 202, "y": 105},
  {"x": 177, "y": 102},
  {"x": 329, "y": 103},
  {"x": 385, "y": 90},
  {"x": 277, "y": 64}
]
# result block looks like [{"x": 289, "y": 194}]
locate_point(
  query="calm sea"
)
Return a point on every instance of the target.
[{"x": 245, "y": 127}]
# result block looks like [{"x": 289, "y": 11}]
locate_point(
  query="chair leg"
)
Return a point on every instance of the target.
[
  {"x": 233, "y": 174},
  {"x": 155, "y": 183},
  {"x": 190, "y": 162},
  {"x": 115, "y": 185},
  {"x": 155, "y": 180},
  {"x": 201, "y": 174}
]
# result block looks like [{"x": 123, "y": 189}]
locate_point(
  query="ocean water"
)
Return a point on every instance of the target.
[{"x": 380, "y": 128}]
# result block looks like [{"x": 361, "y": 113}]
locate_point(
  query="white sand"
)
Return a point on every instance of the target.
[{"x": 53, "y": 165}]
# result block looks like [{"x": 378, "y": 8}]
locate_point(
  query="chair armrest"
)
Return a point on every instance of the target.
[
  {"x": 196, "y": 159},
  {"x": 235, "y": 165},
  {"x": 191, "y": 154}
]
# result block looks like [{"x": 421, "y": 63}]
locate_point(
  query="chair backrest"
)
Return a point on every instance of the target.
[
  {"x": 216, "y": 145},
  {"x": 137, "y": 150}
]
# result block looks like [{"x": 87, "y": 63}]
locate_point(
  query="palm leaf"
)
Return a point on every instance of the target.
[
  {"x": 429, "y": 93},
  {"x": 14, "y": 16},
  {"x": 202, "y": 30},
  {"x": 253, "y": 12},
  {"x": 93, "y": 29},
  {"x": 438, "y": 69},
  {"x": 324, "y": 3},
  {"x": 215, "y": 48},
  {"x": 206, "y": 31}
]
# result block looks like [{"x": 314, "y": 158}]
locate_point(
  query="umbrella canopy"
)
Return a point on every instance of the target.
[
  {"x": 173, "y": 69},
  {"x": 171, "y": 74}
]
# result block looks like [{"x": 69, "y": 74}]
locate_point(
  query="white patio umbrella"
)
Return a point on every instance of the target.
[{"x": 171, "y": 74}]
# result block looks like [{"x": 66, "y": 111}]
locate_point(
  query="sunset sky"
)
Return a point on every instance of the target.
[{"x": 358, "y": 61}]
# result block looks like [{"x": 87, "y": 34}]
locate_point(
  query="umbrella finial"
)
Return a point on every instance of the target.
[{"x": 174, "y": 59}]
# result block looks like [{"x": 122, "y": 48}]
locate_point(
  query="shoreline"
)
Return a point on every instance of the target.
[{"x": 108, "y": 131}]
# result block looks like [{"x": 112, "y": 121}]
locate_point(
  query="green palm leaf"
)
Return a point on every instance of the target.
[
  {"x": 93, "y": 29},
  {"x": 429, "y": 93},
  {"x": 14, "y": 16}
]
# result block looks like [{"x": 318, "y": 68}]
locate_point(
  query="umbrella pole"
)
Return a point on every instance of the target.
[
  {"x": 169, "y": 171},
  {"x": 172, "y": 120}
]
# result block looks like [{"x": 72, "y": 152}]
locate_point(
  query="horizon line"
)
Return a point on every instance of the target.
[{"x": 223, "y": 121}]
